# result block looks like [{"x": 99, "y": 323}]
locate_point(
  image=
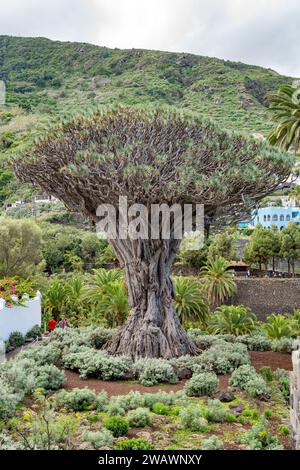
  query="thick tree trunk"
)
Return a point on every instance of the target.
[{"x": 153, "y": 328}]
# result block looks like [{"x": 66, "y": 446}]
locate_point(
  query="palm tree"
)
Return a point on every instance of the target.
[
  {"x": 286, "y": 107},
  {"x": 190, "y": 303},
  {"x": 114, "y": 304},
  {"x": 99, "y": 281},
  {"x": 218, "y": 280},
  {"x": 106, "y": 291}
]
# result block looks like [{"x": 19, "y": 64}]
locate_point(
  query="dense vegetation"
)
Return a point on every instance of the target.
[{"x": 46, "y": 79}]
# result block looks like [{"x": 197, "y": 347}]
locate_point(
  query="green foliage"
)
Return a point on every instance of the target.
[
  {"x": 258, "y": 438},
  {"x": 218, "y": 281},
  {"x": 264, "y": 244},
  {"x": 212, "y": 443},
  {"x": 20, "y": 248},
  {"x": 16, "y": 339},
  {"x": 190, "y": 302},
  {"x": 290, "y": 244},
  {"x": 201, "y": 384},
  {"x": 266, "y": 373},
  {"x": 160, "y": 409},
  {"x": 256, "y": 341},
  {"x": 215, "y": 411},
  {"x": 106, "y": 290},
  {"x": 277, "y": 326},
  {"x": 34, "y": 332},
  {"x": 222, "y": 245},
  {"x": 139, "y": 418},
  {"x": 117, "y": 425},
  {"x": 8, "y": 400},
  {"x": 285, "y": 107},
  {"x": 191, "y": 418},
  {"x": 284, "y": 383},
  {"x": 246, "y": 378},
  {"x": 236, "y": 320},
  {"x": 155, "y": 371},
  {"x": 223, "y": 357},
  {"x": 79, "y": 399},
  {"x": 134, "y": 444},
  {"x": 98, "y": 439},
  {"x": 286, "y": 345},
  {"x": 50, "y": 377}
]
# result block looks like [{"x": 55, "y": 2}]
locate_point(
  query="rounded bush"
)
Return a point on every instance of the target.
[
  {"x": 134, "y": 444},
  {"x": 201, "y": 384},
  {"x": 16, "y": 339},
  {"x": 117, "y": 425},
  {"x": 160, "y": 409},
  {"x": 50, "y": 377},
  {"x": 139, "y": 418},
  {"x": 99, "y": 439}
]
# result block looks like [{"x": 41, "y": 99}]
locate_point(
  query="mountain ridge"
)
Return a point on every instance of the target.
[{"x": 46, "y": 79}]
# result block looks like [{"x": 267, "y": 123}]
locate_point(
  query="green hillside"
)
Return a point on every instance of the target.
[{"x": 46, "y": 79}]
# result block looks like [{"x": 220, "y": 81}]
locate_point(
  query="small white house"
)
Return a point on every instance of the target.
[{"x": 20, "y": 318}]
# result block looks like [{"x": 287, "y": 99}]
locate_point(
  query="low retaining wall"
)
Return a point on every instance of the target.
[
  {"x": 20, "y": 319},
  {"x": 267, "y": 295}
]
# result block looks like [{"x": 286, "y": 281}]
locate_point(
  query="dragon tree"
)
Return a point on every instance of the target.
[{"x": 152, "y": 156}]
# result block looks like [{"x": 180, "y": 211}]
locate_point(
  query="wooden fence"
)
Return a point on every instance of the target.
[{"x": 295, "y": 398}]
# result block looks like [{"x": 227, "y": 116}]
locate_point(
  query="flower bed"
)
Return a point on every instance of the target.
[{"x": 20, "y": 317}]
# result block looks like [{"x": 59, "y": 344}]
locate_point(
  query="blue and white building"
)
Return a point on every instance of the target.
[{"x": 273, "y": 216}]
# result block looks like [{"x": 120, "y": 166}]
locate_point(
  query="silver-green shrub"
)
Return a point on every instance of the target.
[{"x": 201, "y": 384}]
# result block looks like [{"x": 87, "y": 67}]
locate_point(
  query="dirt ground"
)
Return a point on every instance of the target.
[{"x": 258, "y": 359}]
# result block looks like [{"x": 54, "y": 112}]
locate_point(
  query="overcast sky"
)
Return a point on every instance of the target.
[{"x": 262, "y": 32}]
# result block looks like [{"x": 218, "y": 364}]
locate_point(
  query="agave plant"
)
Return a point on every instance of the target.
[
  {"x": 277, "y": 327},
  {"x": 235, "y": 320},
  {"x": 190, "y": 302},
  {"x": 218, "y": 280}
]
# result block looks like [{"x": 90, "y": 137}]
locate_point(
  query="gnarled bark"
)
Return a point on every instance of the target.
[{"x": 153, "y": 328}]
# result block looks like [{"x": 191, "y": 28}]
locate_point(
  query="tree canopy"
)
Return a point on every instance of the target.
[{"x": 153, "y": 156}]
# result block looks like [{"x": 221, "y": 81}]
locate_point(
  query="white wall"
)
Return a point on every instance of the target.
[{"x": 20, "y": 318}]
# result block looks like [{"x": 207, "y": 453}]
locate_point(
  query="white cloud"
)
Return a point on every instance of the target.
[{"x": 263, "y": 32}]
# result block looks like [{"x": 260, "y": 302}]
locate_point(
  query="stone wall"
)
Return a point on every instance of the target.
[{"x": 265, "y": 296}]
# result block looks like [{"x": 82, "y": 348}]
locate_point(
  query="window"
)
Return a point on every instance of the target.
[
  {"x": 282, "y": 218},
  {"x": 265, "y": 218},
  {"x": 275, "y": 218},
  {"x": 288, "y": 218},
  {"x": 269, "y": 218}
]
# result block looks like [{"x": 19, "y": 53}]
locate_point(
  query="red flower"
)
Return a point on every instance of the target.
[{"x": 52, "y": 325}]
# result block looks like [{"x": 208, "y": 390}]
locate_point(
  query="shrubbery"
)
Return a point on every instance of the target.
[
  {"x": 99, "y": 439},
  {"x": 212, "y": 443},
  {"x": 255, "y": 342},
  {"x": 50, "y": 377},
  {"x": 117, "y": 425},
  {"x": 202, "y": 384},
  {"x": 139, "y": 418},
  {"x": 258, "y": 438},
  {"x": 246, "y": 378},
  {"x": 215, "y": 412},
  {"x": 192, "y": 419},
  {"x": 134, "y": 444},
  {"x": 223, "y": 357},
  {"x": 80, "y": 399},
  {"x": 155, "y": 371}
]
